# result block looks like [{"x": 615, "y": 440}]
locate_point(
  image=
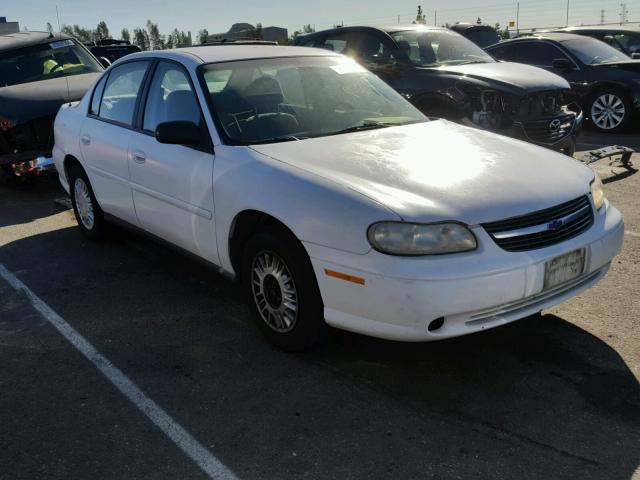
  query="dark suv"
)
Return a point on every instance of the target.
[{"x": 447, "y": 76}]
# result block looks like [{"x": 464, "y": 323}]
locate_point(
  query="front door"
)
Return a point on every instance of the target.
[{"x": 172, "y": 184}]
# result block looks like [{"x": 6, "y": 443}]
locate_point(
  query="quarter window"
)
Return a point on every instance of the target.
[
  {"x": 170, "y": 98},
  {"x": 97, "y": 96},
  {"x": 121, "y": 92}
]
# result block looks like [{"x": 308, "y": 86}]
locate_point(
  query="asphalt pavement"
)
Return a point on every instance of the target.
[{"x": 555, "y": 397}]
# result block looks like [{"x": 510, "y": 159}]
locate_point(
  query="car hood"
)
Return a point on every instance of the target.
[
  {"x": 629, "y": 66},
  {"x": 523, "y": 78},
  {"x": 439, "y": 170},
  {"x": 24, "y": 102}
]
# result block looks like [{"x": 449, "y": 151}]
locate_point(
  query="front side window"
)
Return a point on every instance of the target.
[
  {"x": 432, "y": 48},
  {"x": 170, "y": 98},
  {"x": 58, "y": 58},
  {"x": 594, "y": 52},
  {"x": 294, "y": 98},
  {"x": 121, "y": 92}
]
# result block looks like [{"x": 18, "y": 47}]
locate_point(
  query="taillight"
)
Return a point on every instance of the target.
[{"x": 6, "y": 124}]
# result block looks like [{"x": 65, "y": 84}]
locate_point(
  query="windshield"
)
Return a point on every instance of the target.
[
  {"x": 58, "y": 58},
  {"x": 484, "y": 38},
  {"x": 594, "y": 52},
  {"x": 285, "y": 99},
  {"x": 430, "y": 48}
]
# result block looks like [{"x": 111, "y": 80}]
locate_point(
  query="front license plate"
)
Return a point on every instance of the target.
[{"x": 564, "y": 268}]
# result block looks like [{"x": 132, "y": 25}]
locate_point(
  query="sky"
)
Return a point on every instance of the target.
[{"x": 217, "y": 16}]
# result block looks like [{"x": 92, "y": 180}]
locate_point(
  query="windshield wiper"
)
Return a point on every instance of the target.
[
  {"x": 281, "y": 138},
  {"x": 364, "y": 126}
]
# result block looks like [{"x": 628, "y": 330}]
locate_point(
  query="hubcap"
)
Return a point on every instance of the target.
[
  {"x": 274, "y": 292},
  {"x": 607, "y": 111},
  {"x": 83, "y": 203}
]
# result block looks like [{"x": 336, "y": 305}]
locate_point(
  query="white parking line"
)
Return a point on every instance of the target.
[
  {"x": 633, "y": 234},
  {"x": 213, "y": 467}
]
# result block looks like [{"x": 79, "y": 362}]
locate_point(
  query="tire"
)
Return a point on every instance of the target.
[
  {"x": 610, "y": 110},
  {"x": 276, "y": 268},
  {"x": 89, "y": 215}
]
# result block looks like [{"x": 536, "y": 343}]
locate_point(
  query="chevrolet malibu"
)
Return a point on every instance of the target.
[{"x": 332, "y": 199}]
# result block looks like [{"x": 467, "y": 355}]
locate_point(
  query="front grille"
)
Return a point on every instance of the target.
[
  {"x": 542, "y": 228},
  {"x": 549, "y": 130}
]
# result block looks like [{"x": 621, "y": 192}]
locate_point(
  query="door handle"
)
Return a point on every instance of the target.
[
  {"x": 139, "y": 157},
  {"x": 85, "y": 139}
]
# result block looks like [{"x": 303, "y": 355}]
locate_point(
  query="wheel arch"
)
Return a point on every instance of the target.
[{"x": 244, "y": 225}]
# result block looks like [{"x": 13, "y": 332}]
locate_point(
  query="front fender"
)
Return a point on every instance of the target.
[{"x": 317, "y": 210}]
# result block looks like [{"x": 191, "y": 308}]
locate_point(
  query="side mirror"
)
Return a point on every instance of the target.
[
  {"x": 106, "y": 63},
  {"x": 179, "y": 133},
  {"x": 635, "y": 55},
  {"x": 563, "y": 64}
]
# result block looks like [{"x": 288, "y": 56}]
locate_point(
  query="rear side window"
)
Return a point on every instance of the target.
[
  {"x": 121, "y": 92},
  {"x": 97, "y": 96},
  {"x": 536, "y": 53},
  {"x": 504, "y": 53}
]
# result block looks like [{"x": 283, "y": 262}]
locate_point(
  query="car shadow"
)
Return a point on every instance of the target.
[
  {"x": 31, "y": 200},
  {"x": 539, "y": 398}
]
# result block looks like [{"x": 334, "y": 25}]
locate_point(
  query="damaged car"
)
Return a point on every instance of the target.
[
  {"x": 39, "y": 71},
  {"x": 445, "y": 75}
]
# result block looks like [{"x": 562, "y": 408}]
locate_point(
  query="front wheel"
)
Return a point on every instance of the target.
[
  {"x": 283, "y": 291},
  {"x": 88, "y": 213},
  {"x": 610, "y": 110}
]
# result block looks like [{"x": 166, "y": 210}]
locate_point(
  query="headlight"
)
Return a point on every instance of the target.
[
  {"x": 399, "y": 238},
  {"x": 597, "y": 192}
]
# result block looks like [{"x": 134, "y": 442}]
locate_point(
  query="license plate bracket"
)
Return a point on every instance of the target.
[{"x": 564, "y": 268}]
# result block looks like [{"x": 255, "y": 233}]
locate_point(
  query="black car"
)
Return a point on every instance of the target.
[
  {"x": 481, "y": 35},
  {"x": 39, "y": 71},
  {"x": 111, "y": 49},
  {"x": 606, "y": 82},
  {"x": 626, "y": 40},
  {"x": 445, "y": 75}
]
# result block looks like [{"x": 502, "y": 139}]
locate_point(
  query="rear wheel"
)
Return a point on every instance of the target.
[
  {"x": 610, "y": 110},
  {"x": 89, "y": 215},
  {"x": 283, "y": 291}
]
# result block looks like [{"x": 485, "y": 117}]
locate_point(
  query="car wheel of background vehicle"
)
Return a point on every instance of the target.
[
  {"x": 610, "y": 110},
  {"x": 88, "y": 213},
  {"x": 283, "y": 292}
]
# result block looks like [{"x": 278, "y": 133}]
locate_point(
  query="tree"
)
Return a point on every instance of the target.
[
  {"x": 102, "y": 31},
  {"x": 125, "y": 35},
  {"x": 479, "y": 21},
  {"x": 141, "y": 38},
  {"x": 203, "y": 35},
  {"x": 258, "y": 32},
  {"x": 305, "y": 29},
  {"x": 81, "y": 33},
  {"x": 156, "y": 40},
  {"x": 49, "y": 27},
  {"x": 421, "y": 18}
]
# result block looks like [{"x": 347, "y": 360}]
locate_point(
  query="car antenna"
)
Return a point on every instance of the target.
[{"x": 66, "y": 77}]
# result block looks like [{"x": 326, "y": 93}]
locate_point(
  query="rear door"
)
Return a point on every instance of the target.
[
  {"x": 172, "y": 184},
  {"x": 105, "y": 136}
]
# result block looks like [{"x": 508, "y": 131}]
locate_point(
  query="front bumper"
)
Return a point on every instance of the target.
[
  {"x": 566, "y": 144},
  {"x": 471, "y": 291}
]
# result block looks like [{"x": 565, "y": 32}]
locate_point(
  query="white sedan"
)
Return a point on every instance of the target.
[{"x": 329, "y": 196}]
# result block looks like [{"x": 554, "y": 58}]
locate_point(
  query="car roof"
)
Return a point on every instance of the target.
[
  {"x": 555, "y": 36},
  {"x": 28, "y": 39},
  {"x": 612, "y": 28},
  {"x": 387, "y": 29},
  {"x": 231, "y": 53}
]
